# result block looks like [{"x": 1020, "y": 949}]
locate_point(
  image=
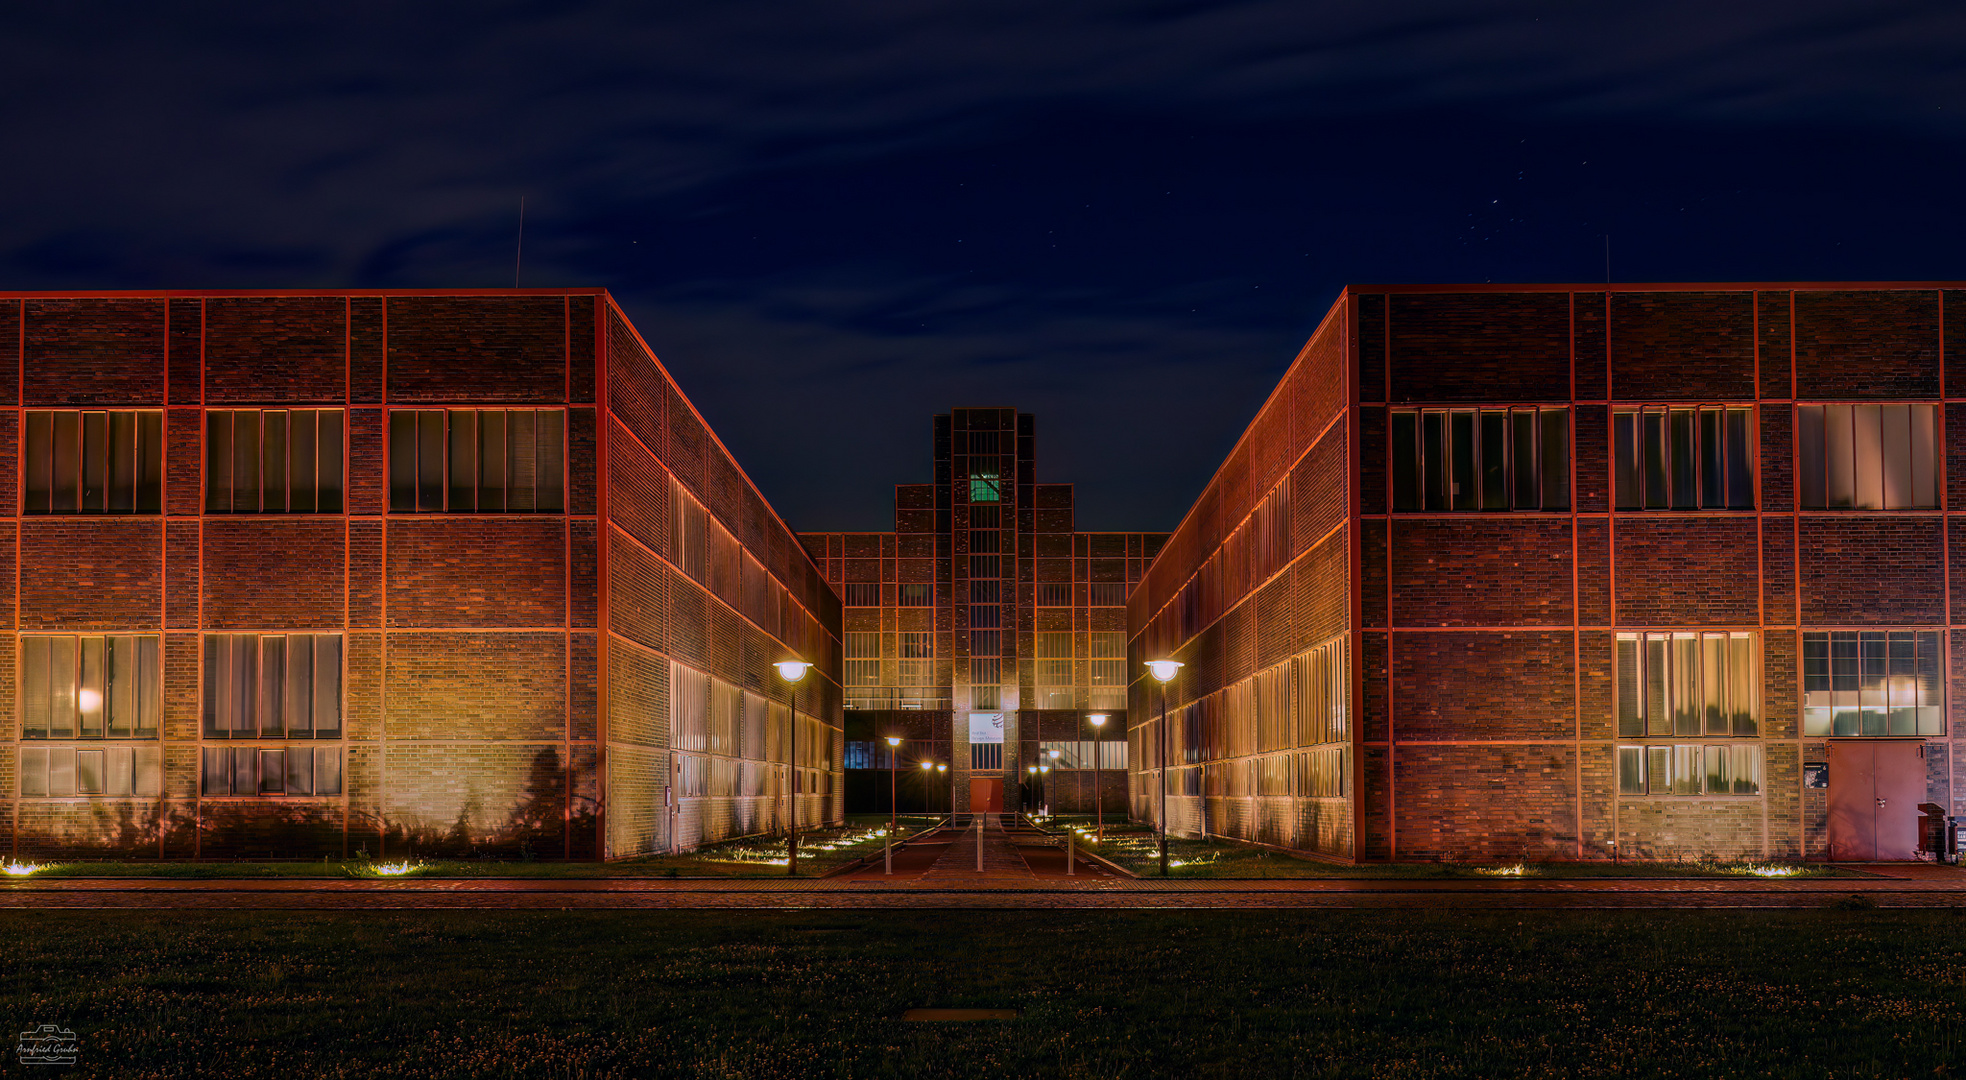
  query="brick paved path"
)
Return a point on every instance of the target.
[{"x": 1926, "y": 887}]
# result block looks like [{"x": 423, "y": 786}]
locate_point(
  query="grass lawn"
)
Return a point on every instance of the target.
[
  {"x": 760, "y": 857},
  {"x": 1137, "y": 849},
  {"x": 1107, "y": 994}
]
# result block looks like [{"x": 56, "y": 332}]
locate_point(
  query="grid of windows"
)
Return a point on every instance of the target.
[
  {"x": 1872, "y": 682},
  {"x": 273, "y": 461},
  {"x": 82, "y": 461},
  {"x": 1054, "y": 656},
  {"x": 1683, "y": 458},
  {"x": 1867, "y": 457},
  {"x": 285, "y": 770},
  {"x": 271, "y": 686},
  {"x": 1684, "y": 683},
  {"x": 917, "y": 658},
  {"x": 1698, "y": 769},
  {"x": 57, "y": 772},
  {"x": 1106, "y": 661},
  {"x": 1481, "y": 459},
  {"x": 477, "y": 460},
  {"x": 89, "y": 686}
]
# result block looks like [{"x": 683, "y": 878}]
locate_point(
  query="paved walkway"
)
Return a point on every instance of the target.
[{"x": 1003, "y": 887}]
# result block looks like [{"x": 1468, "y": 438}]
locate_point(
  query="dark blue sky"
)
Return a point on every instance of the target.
[{"x": 833, "y": 220}]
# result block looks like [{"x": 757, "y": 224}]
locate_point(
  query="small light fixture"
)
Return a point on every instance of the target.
[
  {"x": 941, "y": 768},
  {"x": 894, "y": 740},
  {"x": 1097, "y": 719},
  {"x": 792, "y": 670},
  {"x": 927, "y": 765},
  {"x": 1163, "y": 670}
]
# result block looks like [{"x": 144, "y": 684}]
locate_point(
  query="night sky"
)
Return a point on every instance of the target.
[{"x": 834, "y": 220}]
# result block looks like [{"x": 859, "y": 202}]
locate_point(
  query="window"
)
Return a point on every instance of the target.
[
  {"x": 985, "y": 486},
  {"x": 1872, "y": 682},
  {"x": 986, "y": 672},
  {"x": 986, "y": 643},
  {"x": 870, "y": 754},
  {"x": 922, "y": 595},
  {"x": 1868, "y": 457},
  {"x": 1684, "y": 683},
  {"x": 917, "y": 658},
  {"x": 985, "y": 592},
  {"x": 985, "y": 566},
  {"x": 1683, "y": 459},
  {"x": 273, "y": 461},
  {"x": 476, "y": 460},
  {"x": 863, "y": 594},
  {"x": 63, "y": 771},
  {"x": 90, "y": 686},
  {"x": 863, "y": 658},
  {"x": 1690, "y": 770},
  {"x": 1107, "y": 652},
  {"x": 272, "y": 686},
  {"x": 1108, "y": 594},
  {"x": 986, "y": 616},
  {"x": 986, "y": 517},
  {"x": 1055, "y": 595},
  {"x": 286, "y": 770},
  {"x": 89, "y": 462},
  {"x": 1054, "y": 653},
  {"x": 1481, "y": 459},
  {"x": 985, "y": 540}
]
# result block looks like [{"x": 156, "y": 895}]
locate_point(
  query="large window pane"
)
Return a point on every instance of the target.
[
  {"x": 35, "y": 687},
  {"x": 1406, "y": 460},
  {"x": 464, "y": 459},
  {"x": 491, "y": 460},
  {"x": 327, "y": 686},
  {"x": 550, "y": 431},
  {"x": 1894, "y": 428},
  {"x": 1744, "y": 683},
  {"x": 1686, "y": 704},
  {"x": 1625, "y": 474},
  {"x": 1713, "y": 684},
  {"x": 402, "y": 461},
  {"x": 1809, "y": 465},
  {"x": 95, "y": 462},
  {"x": 1461, "y": 465},
  {"x": 1494, "y": 459},
  {"x": 67, "y": 496},
  {"x": 89, "y": 693},
  {"x": 1740, "y": 460},
  {"x": 327, "y": 461},
  {"x": 1556, "y": 459},
  {"x": 1867, "y": 437},
  {"x": 62, "y": 670},
  {"x": 303, "y": 454},
  {"x": 1685, "y": 473},
  {"x": 1924, "y": 457},
  {"x": 1658, "y": 490},
  {"x": 39, "y": 450},
  {"x": 1658, "y": 712},
  {"x": 521, "y": 461},
  {"x": 1434, "y": 459},
  {"x": 245, "y": 462},
  {"x": 1523, "y": 458},
  {"x": 1631, "y": 770},
  {"x": 1631, "y": 717},
  {"x": 1840, "y": 458},
  {"x": 122, "y": 462},
  {"x": 1713, "y": 461},
  {"x": 430, "y": 460}
]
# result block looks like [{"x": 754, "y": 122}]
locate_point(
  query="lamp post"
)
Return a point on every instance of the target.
[
  {"x": 1031, "y": 786},
  {"x": 952, "y": 791},
  {"x": 893, "y": 762},
  {"x": 1163, "y": 672},
  {"x": 1098, "y": 797},
  {"x": 792, "y": 671},
  {"x": 1044, "y": 787},
  {"x": 1055, "y": 755},
  {"x": 928, "y": 798}
]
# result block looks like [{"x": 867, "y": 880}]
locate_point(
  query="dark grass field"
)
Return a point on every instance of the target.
[{"x": 1856, "y": 993}]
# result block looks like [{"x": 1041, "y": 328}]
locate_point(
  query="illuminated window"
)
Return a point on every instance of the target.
[
  {"x": 1867, "y": 457},
  {"x": 1872, "y": 682},
  {"x": 477, "y": 460},
  {"x": 1107, "y": 649},
  {"x": 88, "y": 462},
  {"x": 863, "y": 658},
  {"x": 986, "y": 643},
  {"x": 1698, "y": 769},
  {"x": 286, "y": 770},
  {"x": 273, "y": 461},
  {"x": 64, "y": 771},
  {"x": 1684, "y": 683},
  {"x": 917, "y": 658},
  {"x": 1683, "y": 458},
  {"x": 272, "y": 686},
  {"x": 1054, "y": 655},
  {"x": 89, "y": 686},
  {"x": 1481, "y": 459},
  {"x": 985, "y": 487}
]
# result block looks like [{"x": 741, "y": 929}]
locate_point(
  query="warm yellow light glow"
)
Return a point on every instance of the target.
[
  {"x": 941, "y": 768},
  {"x": 1163, "y": 670},
  {"x": 927, "y": 765},
  {"x": 894, "y": 740},
  {"x": 1030, "y": 768},
  {"x": 1098, "y": 719},
  {"x": 792, "y": 670},
  {"x": 1773, "y": 871},
  {"x": 1055, "y": 753},
  {"x": 91, "y": 700},
  {"x": 21, "y": 869},
  {"x": 393, "y": 869},
  {"x": 1518, "y": 870}
]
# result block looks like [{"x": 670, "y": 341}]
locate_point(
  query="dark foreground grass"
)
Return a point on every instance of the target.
[{"x": 1107, "y": 994}]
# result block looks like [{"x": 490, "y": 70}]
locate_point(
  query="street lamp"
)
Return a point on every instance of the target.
[
  {"x": 952, "y": 792},
  {"x": 893, "y": 762},
  {"x": 1098, "y": 721},
  {"x": 792, "y": 671},
  {"x": 1163, "y": 672},
  {"x": 1054, "y": 754},
  {"x": 1031, "y": 786}
]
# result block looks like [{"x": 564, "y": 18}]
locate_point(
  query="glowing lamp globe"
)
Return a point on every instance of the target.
[
  {"x": 792, "y": 670},
  {"x": 1098, "y": 719},
  {"x": 1163, "y": 670},
  {"x": 927, "y": 765},
  {"x": 894, "y": 740}
]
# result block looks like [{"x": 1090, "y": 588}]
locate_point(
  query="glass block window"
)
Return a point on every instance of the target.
[{"x": 1872, "y": 682}]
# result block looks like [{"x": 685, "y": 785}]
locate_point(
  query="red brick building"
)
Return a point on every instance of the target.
[
  {"x": 303, "y": 574},
  {"x": 1569, "y": 571}
]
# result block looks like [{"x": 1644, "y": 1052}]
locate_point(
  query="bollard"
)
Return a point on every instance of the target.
[
  {"x": 888, "y": 853},
  {"x": 1071, "y": 850}
]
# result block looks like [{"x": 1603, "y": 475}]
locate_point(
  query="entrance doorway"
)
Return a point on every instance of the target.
[
  {"x": 1874, "y": 791},
  {"x": 986, "y": 794}
]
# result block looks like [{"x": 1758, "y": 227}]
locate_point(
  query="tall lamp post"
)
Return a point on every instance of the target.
[
  {"x": 1163, "y": 673},
  {"x": 928, "y": 789},
  {"x": 792, "y": 671},
  {"x": 1055, "y": 755},
  {"x": 952, "y": 792},
  {"x": 893, "y": 763},
  {"x": 1098, "y": 797},
  {"x": 1031, "y": 785}
]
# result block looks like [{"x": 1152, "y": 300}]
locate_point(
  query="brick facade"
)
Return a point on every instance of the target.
[
  {"x": 1480, "y": 687},
  {"x": 504, "y": 677}
]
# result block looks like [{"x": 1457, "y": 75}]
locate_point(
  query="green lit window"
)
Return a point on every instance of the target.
[{"x": 985, "y": 487}]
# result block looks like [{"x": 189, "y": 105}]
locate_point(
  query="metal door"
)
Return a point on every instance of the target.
[
  {"x": 986, "y": 794},
  {"x": 1874, "y": 792}
]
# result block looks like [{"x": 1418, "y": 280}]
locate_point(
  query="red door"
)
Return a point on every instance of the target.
[
  {"x": 1874, "y": 792},
  {"x": 986, "y": 794}
]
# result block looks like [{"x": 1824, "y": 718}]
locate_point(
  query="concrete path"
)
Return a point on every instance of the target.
[{"x": 1004, "y": 888}]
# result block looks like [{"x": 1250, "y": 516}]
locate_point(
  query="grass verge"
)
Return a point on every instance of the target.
[{"x": 1102, "y": 994}]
